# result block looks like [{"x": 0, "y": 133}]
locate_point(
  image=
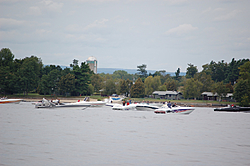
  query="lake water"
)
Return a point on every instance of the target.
[{"x": 101, "y": 136}]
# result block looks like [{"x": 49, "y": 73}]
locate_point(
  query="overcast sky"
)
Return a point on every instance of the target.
[{"x": 163, "y": 34}]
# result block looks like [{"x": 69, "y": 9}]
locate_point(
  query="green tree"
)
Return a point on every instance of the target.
[
  {"x": 221, "y": 89},
  {"x": 29, "y": 73},
  {"x": 242, "y": 89},
  {"x": 192, "y": 88},
  {"x": 122, "y": 87},
  {"x": 90, "y": 89},
  {"x": 97, "y": 82},
  {"x": 171, "y": 84},
  {"x": 6, "y": 71},
  {"x": 82, "y": 75},
  {"x": 67, "y": 84},
  {"x": 43, "y": 87},
  {"x": 49, "y": 82},
  {"x": 191, "y": 70},
  {"x": 177, "y": 74},
  {"x": 245, "y": 71},
  {"x": 138, "y": 89},
  {"x": 163, "y": 75},
  {"x": 110, "y": 87},
  {"x": 129, "y": 83},
  {"x": 162, "y": 87},
  {"x": 121, "y": 74},
  {"x": 233, "y": 70},
  {"x": 206, "y": 80},
  {"x": 142, "y": 71},
  {"x": 152, "y": 84}
]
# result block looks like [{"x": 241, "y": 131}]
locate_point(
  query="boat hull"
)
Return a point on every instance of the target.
[
  {"x": 47, "y": 104},
  {"x": 175, "y": 110},
  {"x": 233, "y": 109},
  {"x": 146, "y": 107},
  {"x": 93, "y": 104},
  {"x": 123, "y": 108},
  {"x": 6, "y": 101}
]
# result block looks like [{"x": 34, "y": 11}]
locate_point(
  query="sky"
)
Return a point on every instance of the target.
[{"x": 163, "y": 34}]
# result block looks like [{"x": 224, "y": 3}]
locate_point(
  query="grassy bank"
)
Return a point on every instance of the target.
[{"x": 37, "y": 96}]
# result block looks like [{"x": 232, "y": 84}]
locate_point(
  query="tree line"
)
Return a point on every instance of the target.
[{"x": 31, "y": 75}]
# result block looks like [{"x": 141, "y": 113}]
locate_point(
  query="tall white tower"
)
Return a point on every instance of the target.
[{"x": 92, "y": 62}]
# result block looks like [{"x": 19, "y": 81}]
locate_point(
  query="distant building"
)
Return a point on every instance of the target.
[
  {"x": 170, "y": 95},
  {"x": 92, "y": 62},
  {"x": 214, "y": 96}
]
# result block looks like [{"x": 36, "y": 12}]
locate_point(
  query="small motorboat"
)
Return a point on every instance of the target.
[
  {"x": 174, "y": 110},
  {"x": 124, "y": 108},
  {"x": 233, "y": 109},
  {"x": 5, "y": 101},
  {"x": 92, "y": 103},
  {"x": 146, "y": 107},
  {"x": 47, "y": 104}
]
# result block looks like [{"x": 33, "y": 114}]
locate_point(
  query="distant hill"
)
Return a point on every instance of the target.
[{"x": 131, "y": 71}]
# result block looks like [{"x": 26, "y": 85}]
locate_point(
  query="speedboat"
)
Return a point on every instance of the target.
[
  {"x": 175, "y": 110},
  {"x": 146, "y": 107},
  {"x": 234, "y": 109},
  {"x": 47, "y": 104},
  {"x": 5, "y": 101},
  {"x": 124, "y": 108},
  {"x": 92, "y": 103}
]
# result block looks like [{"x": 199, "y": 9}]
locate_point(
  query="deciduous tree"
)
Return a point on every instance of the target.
[
  {"x": 192, "y": 88},
  {"x": 138, "y": 89}
]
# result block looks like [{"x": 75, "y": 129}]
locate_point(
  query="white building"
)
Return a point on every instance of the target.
[{"x": 92, "y": 62}]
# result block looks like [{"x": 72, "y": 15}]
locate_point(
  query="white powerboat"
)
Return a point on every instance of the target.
[
  {"x": 92, "y": 103},
  {"x": 146, "y": 107},
  {"x": 176, "y": 110},
  {"x": 47, "y": 104},
  {"x": 5, "y": 101},
  {"x": 124, "y": 108}
]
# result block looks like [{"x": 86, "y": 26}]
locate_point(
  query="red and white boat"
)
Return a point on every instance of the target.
[
  {"x": 174, "y": 110},
  {"x": 5, "y": 101}
]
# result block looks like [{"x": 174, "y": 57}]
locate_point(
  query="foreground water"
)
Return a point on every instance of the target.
[{"x": 101, "y": 136}]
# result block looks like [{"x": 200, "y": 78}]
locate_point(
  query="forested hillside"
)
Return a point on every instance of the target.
[{"x": 29, "y": 75}]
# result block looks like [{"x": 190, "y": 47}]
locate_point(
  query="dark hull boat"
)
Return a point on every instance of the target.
[{"x": 233, "y": 109}]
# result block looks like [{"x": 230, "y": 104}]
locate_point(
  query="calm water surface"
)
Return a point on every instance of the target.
[{"x": 101, "y": 136}]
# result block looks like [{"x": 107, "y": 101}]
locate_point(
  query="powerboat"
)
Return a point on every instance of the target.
[
  {"x": 233, "y": 109},
  {"x": 92, "y": 103},
  {"x": 146, "y": 107},
  {"x": 5, "y": 101},
  {"x": 47, "y": 104},
  {"x": 174, "y": 110},
  {"x": 124, "y": 108}
]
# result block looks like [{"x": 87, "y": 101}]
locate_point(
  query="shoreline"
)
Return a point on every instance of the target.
[{"x": 73, "y": 100}]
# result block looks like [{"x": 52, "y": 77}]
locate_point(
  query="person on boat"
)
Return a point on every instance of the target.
[
  {"x": 123, "y": 103},
  {"x": 169, "y": 104},
  {"x": 174, "y": 105}
]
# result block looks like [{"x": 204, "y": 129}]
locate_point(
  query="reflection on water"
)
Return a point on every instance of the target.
[{"x": 101, "y": 136}]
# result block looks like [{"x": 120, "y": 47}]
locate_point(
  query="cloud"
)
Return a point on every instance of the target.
[
  {"x": 34, "y": 10},
  {"x": 227, "y": 16},
  {"x": 97, "y": 24},
  {"x": 9, "y": 23},
  {"x": 97, "y": 1},
  {"x": 181, "y": 29},
  {"x": 176, "y": 2},
  {"x": 76, "y": 28},
  {"x": 52, "y": 6},
  {"x": 207, "y": 10}
]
